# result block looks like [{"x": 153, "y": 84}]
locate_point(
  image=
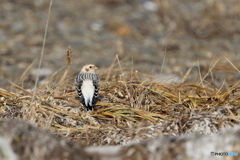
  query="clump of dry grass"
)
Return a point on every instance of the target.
[{"x": 128, "y": 109}]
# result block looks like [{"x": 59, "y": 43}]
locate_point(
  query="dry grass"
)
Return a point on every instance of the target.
[{"x": 128, "y": 109}]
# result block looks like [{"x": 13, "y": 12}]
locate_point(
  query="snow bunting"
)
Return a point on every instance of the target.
[{"x": 87, "y": 86}]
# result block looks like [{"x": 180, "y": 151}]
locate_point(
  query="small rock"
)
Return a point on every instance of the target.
[
  {"x": 96, "y": 26},
  {"x": 17, "y": 27},
  {"x": 6, "y": 150},
  {"x": 151, "y": 6},
  {"x": 3, "y": 37}
]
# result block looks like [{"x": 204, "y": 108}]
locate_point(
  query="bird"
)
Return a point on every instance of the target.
[{"x": 87, "y": 86}]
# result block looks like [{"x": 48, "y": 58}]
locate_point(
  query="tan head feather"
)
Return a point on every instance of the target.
[{"x": 88, "y": 68}]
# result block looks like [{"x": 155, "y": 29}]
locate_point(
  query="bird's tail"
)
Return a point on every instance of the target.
[
  {"x": 89, "y": 108},
  {"x": 88, "y": 105}
]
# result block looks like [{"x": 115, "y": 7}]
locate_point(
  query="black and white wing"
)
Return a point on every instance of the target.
[{"x": 79, "y": 80}]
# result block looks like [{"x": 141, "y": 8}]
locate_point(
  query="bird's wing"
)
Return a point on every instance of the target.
[
  {"x": 96, "y": 80},
  {"x": 78, "y": 84},
  {"x": 79, "y": 81},
  {"x": 96, "y": 90}
]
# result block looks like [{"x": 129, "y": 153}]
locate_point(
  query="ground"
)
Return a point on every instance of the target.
[{"x": 166, "y": 67}]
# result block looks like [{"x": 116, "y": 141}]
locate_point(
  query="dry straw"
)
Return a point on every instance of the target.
[{"x": 124, "y": 105}]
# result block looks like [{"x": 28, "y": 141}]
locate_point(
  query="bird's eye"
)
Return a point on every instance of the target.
[{"x": 90, "y": 66}]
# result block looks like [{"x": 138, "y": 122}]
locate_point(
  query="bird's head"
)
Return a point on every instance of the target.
[{"x": 89, "y": 68}]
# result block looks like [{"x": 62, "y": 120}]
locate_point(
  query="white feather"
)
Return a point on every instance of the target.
[{"x": 88, "y": 91}]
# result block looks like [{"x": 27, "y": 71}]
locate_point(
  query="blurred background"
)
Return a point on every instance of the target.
[{"x": 157, "y": 37}]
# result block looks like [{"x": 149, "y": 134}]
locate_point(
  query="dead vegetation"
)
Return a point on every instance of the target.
[{"x": 128, "y": 109}]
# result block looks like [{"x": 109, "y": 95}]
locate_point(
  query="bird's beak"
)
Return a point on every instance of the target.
[{"x": 95, "y": 68}]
